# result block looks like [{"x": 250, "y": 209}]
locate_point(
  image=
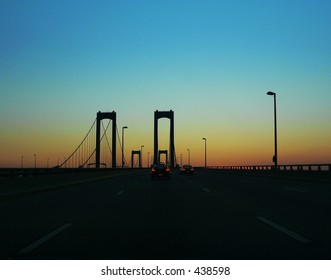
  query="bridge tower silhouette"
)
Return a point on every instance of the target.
[
  {"x": 163, "y": 152},
  {"x": 132, "y": 157},
  {"x": 158, "y": 115},
  {"x": 100, "y": 117}
]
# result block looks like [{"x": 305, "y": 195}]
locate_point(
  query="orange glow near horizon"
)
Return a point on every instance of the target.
[
  {"x": 226, "y": 154},
  {"x": 229, "y": 142}
]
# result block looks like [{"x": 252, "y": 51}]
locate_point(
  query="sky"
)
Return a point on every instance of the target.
[{"x": 211, "y": 62}]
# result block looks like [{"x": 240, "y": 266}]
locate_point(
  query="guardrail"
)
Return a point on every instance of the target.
[
  {"x": 17, "y": 172},
  {"x": 283, "y": 167}
]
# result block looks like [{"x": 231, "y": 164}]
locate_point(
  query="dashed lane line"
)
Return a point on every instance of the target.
[
  {"x": 285, "y": 230},
  {"x": 206, "y": 190},
  {"x": 44, "y": 239},
  {"x": 120, "y": 192}
]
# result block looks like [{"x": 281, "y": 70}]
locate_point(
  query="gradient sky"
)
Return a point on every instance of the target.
[{"x": 212, "y": 62}]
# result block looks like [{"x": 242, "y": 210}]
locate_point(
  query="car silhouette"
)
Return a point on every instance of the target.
[
  {"x": 187, "y": 169},
  {"x": 160, "y": 170}
]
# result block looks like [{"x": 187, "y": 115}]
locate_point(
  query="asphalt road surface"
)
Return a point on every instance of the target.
[{"x": 210, "y": 215}]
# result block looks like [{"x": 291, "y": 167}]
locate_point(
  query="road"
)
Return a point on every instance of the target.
[{"x": 210, "y": 215}]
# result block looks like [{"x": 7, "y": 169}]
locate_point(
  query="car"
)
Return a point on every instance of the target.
[
  {"x": 187, "y": 169},
  {"x": 160, "y": 170}
]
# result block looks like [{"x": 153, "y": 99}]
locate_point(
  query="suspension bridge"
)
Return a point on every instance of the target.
[
  {"x": 98, "y": 150},
  {"x": 95, "y": 149}
]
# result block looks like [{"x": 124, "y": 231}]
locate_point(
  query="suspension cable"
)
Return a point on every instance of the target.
[
  {"x": 105, "y": 130},
  {"x": 79, "y": 145}
]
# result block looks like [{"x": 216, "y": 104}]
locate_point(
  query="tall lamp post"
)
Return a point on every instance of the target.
[
  {"x": 188, "y": 151},
  {"x": 205, "y": 151},
  {"x": 124, "y": 127},
  {"x": 275, "y": 157},
  {"x": 141, "y": 155},
  {"x": 35, "y": 160}
]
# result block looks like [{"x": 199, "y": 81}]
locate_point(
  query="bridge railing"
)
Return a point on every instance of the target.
[{"x": 283, "y": 167}]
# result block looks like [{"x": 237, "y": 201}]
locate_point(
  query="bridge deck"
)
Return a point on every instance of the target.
[{"x": 209, "y": 215}]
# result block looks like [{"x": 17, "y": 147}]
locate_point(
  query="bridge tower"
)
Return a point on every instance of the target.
[
  {"x": 132, "y": 155},
  {"x": 170, "y": 115},
  {"x": 100, "y": 117},
  {"x": 165, "y": 152}
]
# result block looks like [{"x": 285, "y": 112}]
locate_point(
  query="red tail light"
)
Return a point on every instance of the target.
[
  {"x": 192, "y": 169},
  {"x": 168, "y": 169},
  {"x": 153, "y": 169}
]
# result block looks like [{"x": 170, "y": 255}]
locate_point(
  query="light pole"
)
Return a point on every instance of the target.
[
  {"x": 148, "y": 159},
  {"x": 188, "y": 152},
  {"x": 124, "y": 127},
  {"x": 275, "y": 157},
  {"x": 205, "y": 151},
  {"x": 181, "y": 160},
  {"x": 35, "y": 160},
  {"x": 141, "y": 155}
]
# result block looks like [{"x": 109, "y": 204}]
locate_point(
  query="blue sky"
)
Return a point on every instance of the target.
[{"x": 210, "y": 61}]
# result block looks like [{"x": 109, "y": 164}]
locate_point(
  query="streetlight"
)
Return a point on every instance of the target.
[
  {"x": 35, "y": 160},
  {"x": 22, "y": 159},
  {"x": 205, "y": 151},
  {"x": 148, "y": 159},
  {"x": 124, "y": 127},
  {"x": 181, "y": 160},
  {"x": 141, "y": 155},
  {"x": 275, "y": 157},
  {"x": 188, "y": 151}
]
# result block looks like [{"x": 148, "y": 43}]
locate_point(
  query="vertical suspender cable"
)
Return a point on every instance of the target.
[{"x": 70, "y": 158}]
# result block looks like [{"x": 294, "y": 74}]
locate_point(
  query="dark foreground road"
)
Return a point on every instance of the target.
[{"x": 209, "y": 215}]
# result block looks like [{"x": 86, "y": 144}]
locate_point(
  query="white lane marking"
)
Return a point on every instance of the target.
[
  {"x": 206, "y": 190},
  {"x": 286, "y": 231},
  {"x": 295, "y": 190},
  {"x": 119, "y": 193},
  {"x": 45, "y": 238}
]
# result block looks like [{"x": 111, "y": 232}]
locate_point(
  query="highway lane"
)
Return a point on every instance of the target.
[
  {"x": 305, "y": 205},
  {"x": 210, "y": 215}
]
